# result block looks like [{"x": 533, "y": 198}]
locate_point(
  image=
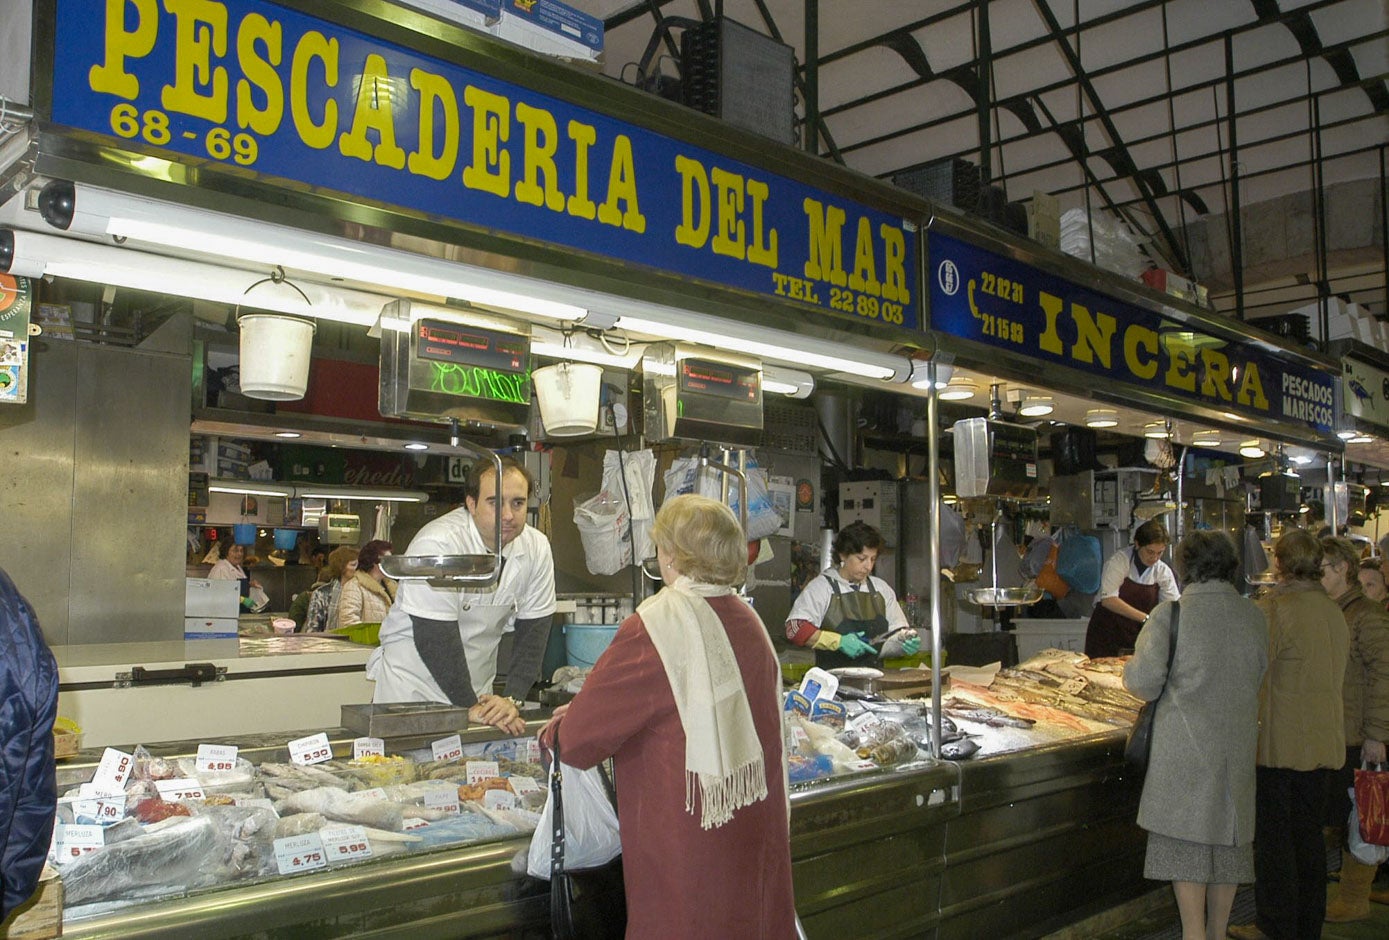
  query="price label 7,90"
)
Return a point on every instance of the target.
[
  {"x": 300, "y": 853},
  {"x": 450, "y": 748},
  {"x": 344, "y": 843},
  {"x": 214, "y": 758},
  {"x": 314, "y": 749}
]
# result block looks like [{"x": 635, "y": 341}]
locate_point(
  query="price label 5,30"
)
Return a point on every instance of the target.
[
  {"x": 344, "y": 843},
  {"x": 300, "y": 853},
  {"x": 216, "y": 758},
  {"x": 314, "y": 749}
]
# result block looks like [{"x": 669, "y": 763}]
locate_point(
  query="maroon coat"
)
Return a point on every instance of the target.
[{"x": 684, "y": 881}]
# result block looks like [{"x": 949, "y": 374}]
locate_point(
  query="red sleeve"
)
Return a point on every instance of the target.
[
  {"x": 618, "y": 699},
  {"x": 799, "y": 632}
]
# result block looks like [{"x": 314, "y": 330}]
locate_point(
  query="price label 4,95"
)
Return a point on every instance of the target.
[
  {"x": 300, "y": 853},
  {"x": 314, "y": 749},
  {"x": 214, "y": 758}
]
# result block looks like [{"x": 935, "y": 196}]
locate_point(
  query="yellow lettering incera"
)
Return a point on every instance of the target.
[
  {"x": 1094, "y": 336},
  {"x": 373, "y": 111},
  {"x": 1050, "y": 339},
  {"x": 313, "y": 45},
  {"x": 259, "y": 73},
  {"x": 894, "y": 264},
  {"x": 728, "y": 200},
  {"x": 693, "y": 230},
  {"x": 541, "y": 141},
  {"x": 865, "y": 276},
  {"x": 824, "y": 260},
  {"x": 200, "y": 31},
  {"x": 1181, "y": 355},
  {"x": 580, "y": 205},
  {"x": 622, "y": 188},
  {"x": 1251, "y": 389},
  {"x": 762, "y": 244},
  {"x": 490, "y": 170},
  {"x": 1217, "y": 380},
  {"x": 1138, "y": 338},
  {"x": 435, "y": 159},
  {"x": 111, "y": 78}
]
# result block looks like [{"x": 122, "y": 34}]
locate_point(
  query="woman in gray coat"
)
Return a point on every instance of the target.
[{"x": 1198, "y": 797}]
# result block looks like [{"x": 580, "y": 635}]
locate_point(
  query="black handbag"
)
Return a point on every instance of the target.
[
  {"x": 1140, "y": 743},
  {"x": 588, "y": 904}
]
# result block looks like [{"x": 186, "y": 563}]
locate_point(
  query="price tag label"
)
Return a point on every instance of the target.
[
  {"x": 314, "y": 749},
  {"x": 444, "y": 798},
  {"x": 532, "y": 754},
  {"x": 412, "y": 823},
  {"x": 214, "y": 758},
  {"x": 368, "y": 747},
  {"x": 345, "y": 843},
  {"x": 79, "y": 840},
  {"x": 450, "y": 748},
  {"x": 499, "y": 799},
  {"x": 863, "y": 765},
  {"x": 798, "y": 737},
  {"x": 300, "y": 853},
  {"x": 180, "y": 788},
  {"x": 113, "y": 771},
  {"x": 375, "y": 793},
  {"x": 523, "y": 785},
  {"x": 101, "y": 811},
  {"x": 479, "y": 770}
]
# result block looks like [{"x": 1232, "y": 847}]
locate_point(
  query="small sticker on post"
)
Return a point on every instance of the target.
[{"x": 313, "y": 749}]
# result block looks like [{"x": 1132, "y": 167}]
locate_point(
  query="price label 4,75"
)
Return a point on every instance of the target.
[
  {"x": 300, "y": 853},
  {"x": 314, "y": 749}
]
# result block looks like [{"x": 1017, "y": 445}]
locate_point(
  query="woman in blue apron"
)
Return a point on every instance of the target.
[{"x": 845, "y": 614}]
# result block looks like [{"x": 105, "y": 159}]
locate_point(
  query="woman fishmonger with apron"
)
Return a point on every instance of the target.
[
  {"x": 845, "y": 612},
  {"x": 1135, "y": 580}
]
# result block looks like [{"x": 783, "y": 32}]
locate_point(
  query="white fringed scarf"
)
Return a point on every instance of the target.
[{"x": 723, "y": 754}]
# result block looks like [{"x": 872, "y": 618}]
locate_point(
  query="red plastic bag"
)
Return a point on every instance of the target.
[{"x": 1372, "y": 801}]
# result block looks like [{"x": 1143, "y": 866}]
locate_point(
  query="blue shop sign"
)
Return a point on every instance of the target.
[
  {"x": 260, "y": 87},
  {"x": 987, "y": 298}
]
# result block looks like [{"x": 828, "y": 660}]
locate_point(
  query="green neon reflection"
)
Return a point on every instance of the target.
[{"x": 477, "y": 382}]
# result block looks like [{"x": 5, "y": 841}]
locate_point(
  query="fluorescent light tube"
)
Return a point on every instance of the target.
[
  {"x": 790, "y": 382},
  {"x": 330, "y": 491},
  {"x": 250, "y": 488}
]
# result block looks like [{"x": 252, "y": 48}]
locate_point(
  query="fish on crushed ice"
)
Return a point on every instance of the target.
[
  {"x": 962, "y": 749},
  {"x": 163, "y": 855}
]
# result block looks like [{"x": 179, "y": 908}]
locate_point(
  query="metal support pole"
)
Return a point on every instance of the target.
[
  {"x": 1384, "y": 230},
  {"x": 933, "y": 550},
  {"x": 810, "y": 140},
  {"x": 1179, "y": 526},
  {"x": 1236, "y": 230},
  {"x": 984, "y": 99},
  {"x": 1319, "y": 219},
  {"x": 1330, "y": 507}
]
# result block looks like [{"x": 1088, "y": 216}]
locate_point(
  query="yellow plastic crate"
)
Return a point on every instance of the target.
[{"x": 367, "y": 634}]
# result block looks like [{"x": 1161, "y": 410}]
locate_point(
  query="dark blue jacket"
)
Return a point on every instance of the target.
[{"x": 28, "y": 705}]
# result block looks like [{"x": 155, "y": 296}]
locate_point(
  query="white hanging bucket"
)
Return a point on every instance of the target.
[
  {"x": 568, "y": 396},
  {"x": 275, "y": 352}
]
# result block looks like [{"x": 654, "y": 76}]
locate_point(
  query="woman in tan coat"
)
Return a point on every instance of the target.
[
  {"x": 1366, "y": 711},
  {"x": 1301, "y": 740},
  {"x": 368, "y": 596}
]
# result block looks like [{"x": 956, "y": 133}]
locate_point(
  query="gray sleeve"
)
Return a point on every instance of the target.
[
  {"x": 528, "y": 644},
  {"x": 1146, "y": 673},
  {"x": 441, "y": 650}
]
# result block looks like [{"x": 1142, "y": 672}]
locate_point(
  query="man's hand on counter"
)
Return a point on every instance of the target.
[{"x": 499, "y": 713}]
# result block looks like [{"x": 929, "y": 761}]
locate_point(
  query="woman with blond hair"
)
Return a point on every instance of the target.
[{"x": 687, "y": 702}]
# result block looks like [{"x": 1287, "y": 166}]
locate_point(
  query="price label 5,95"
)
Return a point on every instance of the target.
[{"x": 344, "y": 843}]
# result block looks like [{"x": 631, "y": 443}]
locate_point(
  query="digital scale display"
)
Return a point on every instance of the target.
[
  {"x": 720, "y": 379},
  {"x": 473, "y": 346}
]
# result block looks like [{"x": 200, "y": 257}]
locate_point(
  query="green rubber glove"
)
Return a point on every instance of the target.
[
  {"x": 854, "y": 645},
  {"x": 904, "y": 643}
]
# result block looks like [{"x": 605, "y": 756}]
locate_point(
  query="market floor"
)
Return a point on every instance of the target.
[{"x": 1160, "y": 922}]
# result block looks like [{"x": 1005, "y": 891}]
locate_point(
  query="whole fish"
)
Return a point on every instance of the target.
[
  {"x": 167, "y": 855},
  {"x": 967, "y": 711},
  {"x": 963, "y": 749}
]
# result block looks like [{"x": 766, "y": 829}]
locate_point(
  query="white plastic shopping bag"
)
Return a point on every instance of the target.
[{"x": 591, "y": 836}]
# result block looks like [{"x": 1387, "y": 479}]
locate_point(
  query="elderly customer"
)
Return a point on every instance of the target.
[
  {"x": 687, "y": 700},
  {"x": 1372, "y": 582},
  {"x": 1366, "y": 693},
  {"x": 367, "y": 596},
  {"x": 1302, "y": 738},
  {"x": 1198, "y": 794}
]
